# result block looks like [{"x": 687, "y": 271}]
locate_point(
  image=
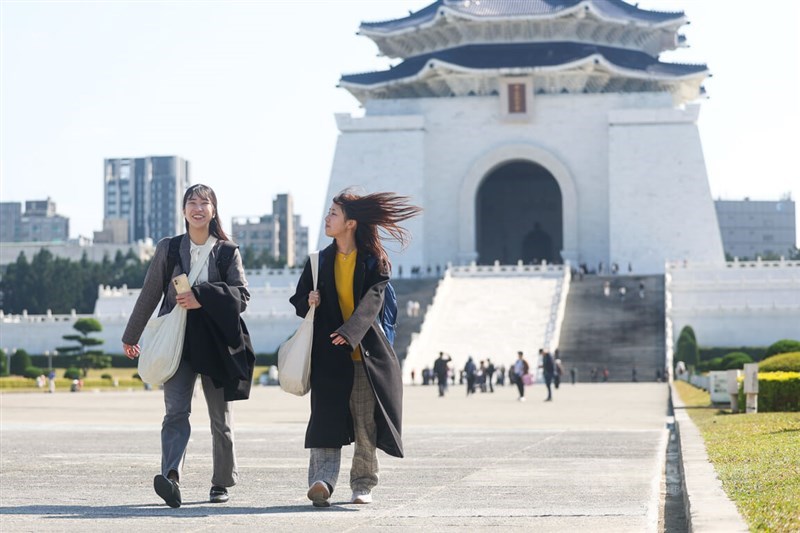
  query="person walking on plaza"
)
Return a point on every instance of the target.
[
  {"x": 548, "y": 367},
  {"x": 440, "y": 369},
  {"x": 469, "y": 370},
  {"x": 559, "y": 371},
  {"x": 521, "y": 368},
  {"x": 490, "y": 374},
  {"x": 356, "y": 380},
  {"x": 215, "y": 293},
  {"x": 573, "y": 375}
]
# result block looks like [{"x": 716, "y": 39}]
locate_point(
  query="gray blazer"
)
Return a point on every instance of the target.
[{"x": 154, "y": 280}]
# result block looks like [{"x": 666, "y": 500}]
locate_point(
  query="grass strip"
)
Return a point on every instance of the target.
[{"x": 757, "y": 458}]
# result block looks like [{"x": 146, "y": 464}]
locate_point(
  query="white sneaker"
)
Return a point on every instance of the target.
[
  {"x": 319, "y": 493},
  {"x": 361, "y": 498},
  {"x": 522, "y": 399}
]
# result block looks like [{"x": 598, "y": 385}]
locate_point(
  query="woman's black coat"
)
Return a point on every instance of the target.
[{"x": 331, "y": 425}]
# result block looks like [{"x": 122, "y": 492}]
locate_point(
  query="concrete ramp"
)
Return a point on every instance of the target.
[{"x": 490, "y": 312}]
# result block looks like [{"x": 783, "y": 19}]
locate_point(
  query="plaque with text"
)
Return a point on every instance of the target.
[{"x": 516, "y": 98}]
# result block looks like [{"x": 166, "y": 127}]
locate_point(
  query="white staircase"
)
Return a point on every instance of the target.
[{"x": 491, "y": 312}]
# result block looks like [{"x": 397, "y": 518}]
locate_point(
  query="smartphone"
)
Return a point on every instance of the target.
[{"x": 181, "y": 284}]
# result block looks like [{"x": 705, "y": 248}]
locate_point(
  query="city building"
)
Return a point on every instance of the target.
[
  {"x": 531, "y": 131},
  {"x": 142, "y": 198},
  {"x": 757, "y": 228},
  {"x": 280, "y": 234},
  {"x": 38, "y": 223}
]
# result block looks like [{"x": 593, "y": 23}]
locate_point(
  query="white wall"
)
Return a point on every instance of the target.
[
  {"x": 606, "y": 163},
  {"x": 737, "y": 304}
]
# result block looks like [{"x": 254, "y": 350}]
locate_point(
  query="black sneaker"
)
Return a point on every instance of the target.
[
  {"x": 218, "y": 494},
  {"x": 168, "y": 489}
]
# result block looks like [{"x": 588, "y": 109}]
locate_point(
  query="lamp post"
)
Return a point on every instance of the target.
[{"x": 49, "y": 355}]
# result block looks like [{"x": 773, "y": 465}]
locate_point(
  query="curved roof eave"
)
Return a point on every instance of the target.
[
  {"x": 444, "y": 11},
  {"x": 422, "y": 73}
]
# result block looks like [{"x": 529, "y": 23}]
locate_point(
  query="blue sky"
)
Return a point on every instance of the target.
[{"x": 246, "y": 91}]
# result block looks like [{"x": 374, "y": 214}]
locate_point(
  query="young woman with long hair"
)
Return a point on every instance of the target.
[
  {"x": 214, "y": 293},
  {"x": 356, "y": 384}
]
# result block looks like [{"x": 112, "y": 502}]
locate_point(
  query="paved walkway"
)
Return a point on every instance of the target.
[{"x": 591, "y": 460}]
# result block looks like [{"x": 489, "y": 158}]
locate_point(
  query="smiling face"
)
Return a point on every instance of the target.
[
  {"x": 198, "y": 212},
  {"x": 335, "y": 222}
]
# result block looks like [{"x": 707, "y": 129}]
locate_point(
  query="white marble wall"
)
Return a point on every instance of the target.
[
  {"x": 736, "y": 304},
  {"x": 608, "y": 152}
]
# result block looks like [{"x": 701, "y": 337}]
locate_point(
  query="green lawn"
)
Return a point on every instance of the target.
[{"x": 757, "y": 457}]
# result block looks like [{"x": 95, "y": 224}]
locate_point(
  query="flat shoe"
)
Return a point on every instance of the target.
[
  {"x": 318, "y": 493},
  {"x": 218, "y": 494},
  {"x": 359, "y": 498},
  {"x": 168, "y": 490}
]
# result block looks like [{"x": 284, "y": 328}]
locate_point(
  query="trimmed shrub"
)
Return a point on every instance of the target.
[
  {"x": 707, "y": 353},
  {"x": 107, "y": 376},
  {"x": 707, "y": 366},
  {"x": 783, "y": 346},
  {"x": 72, "y": 373},
  {"x": 735, "y": 360},
  {"x": 686, "y": 349},
  {"x": 19, "y": 362},
  {"x": 786, "y": 362},
  {"x": 777, "y": 392},
  {"x": 33, "y": 372}
]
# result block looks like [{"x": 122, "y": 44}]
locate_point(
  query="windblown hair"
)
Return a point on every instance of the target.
[
  {"x": 380, "y": 210},
  {"x": 204, "y": 192}
]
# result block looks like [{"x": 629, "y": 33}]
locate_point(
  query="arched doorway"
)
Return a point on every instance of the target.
[{"x": 518, "y": 215}]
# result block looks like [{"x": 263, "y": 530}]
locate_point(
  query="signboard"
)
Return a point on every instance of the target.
[
  {"x": 751, "y": 378},
  {"x": 718, "y": 386}
]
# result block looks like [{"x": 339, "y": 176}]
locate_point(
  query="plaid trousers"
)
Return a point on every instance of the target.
[{"x": 324, "y": 463}]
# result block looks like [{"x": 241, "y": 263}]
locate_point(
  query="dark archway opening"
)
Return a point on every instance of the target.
[{"x": 519, "y": 215}]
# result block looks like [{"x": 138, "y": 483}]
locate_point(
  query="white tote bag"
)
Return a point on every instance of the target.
[
  {"x": 162, "y": 339},
  {"x": 294, "y": 355}
]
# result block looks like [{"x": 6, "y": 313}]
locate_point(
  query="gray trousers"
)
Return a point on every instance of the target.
[
  {"x": 324, "y": 463},
  {"x": 175, "y": 429}
]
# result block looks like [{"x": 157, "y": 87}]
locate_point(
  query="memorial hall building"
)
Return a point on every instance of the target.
[{"x": 534, "y": 131}]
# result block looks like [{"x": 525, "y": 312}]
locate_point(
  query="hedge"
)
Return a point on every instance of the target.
[
  {"x": 712, "y": 352},
  {"x": 777, "y": 391},
  {"x": 783, "y": 346},
  {"x": 785, "y": 362}
]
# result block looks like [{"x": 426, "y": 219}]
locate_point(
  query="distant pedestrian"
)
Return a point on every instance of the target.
[
  {"x": 641, "y": 290},
  {"x": 622, "y": 291},
  {"x": 469, "y": 371},
  {"x": 633, "y": 374},
  {"x": 521, "y": 369},
  {"x": 606, "y": 289},
  {"x": 413, "y": 376},
  {"x": 605, "y": 374},
  {"x": 51, "y": 381},
  {"x": 573, "y": 375},
  {"x": 548, "y": 366},
  {"x": 490, "y": 374},
  {"x": 440, "y": 369}
]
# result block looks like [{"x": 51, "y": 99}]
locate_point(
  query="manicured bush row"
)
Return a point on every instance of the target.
[
  {"x": 777, "y": 392},
  {"x": 786, "y": 362},
  {"x": 709, "y": 353}
]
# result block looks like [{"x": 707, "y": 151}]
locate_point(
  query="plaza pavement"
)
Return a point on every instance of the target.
[{"x": 592, "y": 460}]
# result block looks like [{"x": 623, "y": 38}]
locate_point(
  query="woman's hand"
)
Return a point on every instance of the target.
[
  {"x": 187, "y": 300},
  {"x": 338, "y": 340},
  {"x": 313, "y": 298},
  {"x": 131, "y": 350}
]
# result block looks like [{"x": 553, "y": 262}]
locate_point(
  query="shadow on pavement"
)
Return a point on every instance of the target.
[{"x": 187, "y": 510}]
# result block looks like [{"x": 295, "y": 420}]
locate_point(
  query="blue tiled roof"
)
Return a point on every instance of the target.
[
  {"x": 614, "y": 9},
  {"x": 521, "y": 55}
]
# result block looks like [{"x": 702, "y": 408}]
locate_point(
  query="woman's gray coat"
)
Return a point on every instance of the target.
[{"x": 331, "y": 424}]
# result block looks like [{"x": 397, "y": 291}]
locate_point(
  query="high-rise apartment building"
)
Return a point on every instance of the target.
[
  {"x": 280, "y": 234},
  {"x": 751, "y": 228},
  {"x": 39, "y": 222},
  {"x": 142, "y": 198}
]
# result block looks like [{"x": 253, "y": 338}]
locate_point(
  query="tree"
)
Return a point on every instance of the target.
[
  {"x": 686, "y": 349},
  {"x": 19, "y": 362},
  {"x": 3, "y": 369},
  {"x": 782, "y": 346},
  {"x": 87, "y": 358}
]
